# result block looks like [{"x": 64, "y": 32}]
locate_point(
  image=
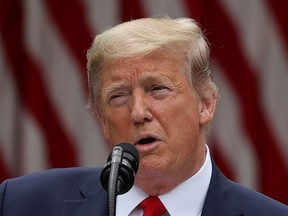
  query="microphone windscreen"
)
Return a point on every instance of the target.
[
  {"x": 132, "y": 151},
  {"x": 127, "y": 147}
]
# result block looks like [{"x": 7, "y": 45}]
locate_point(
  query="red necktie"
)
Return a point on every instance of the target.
[{"x": 152, "y": 206}]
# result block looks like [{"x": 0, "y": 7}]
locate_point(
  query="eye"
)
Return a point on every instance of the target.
[
  {"x": 160, "y": 91},
  {"x": 113, "y": 97},
  {"x": 158, "y": 88},
  {"x": 118, "y": 99}
]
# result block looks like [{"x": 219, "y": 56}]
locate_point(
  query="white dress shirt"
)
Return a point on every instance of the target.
[{"x": 186, "y": 199}]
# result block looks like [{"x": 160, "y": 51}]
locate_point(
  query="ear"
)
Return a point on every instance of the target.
[{"x": 207, "y": 109}]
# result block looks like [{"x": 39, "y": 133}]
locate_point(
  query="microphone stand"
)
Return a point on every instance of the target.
[{"x": 113, "y": 183}]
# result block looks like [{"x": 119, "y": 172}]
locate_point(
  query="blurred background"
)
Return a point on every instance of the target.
[{"x": 44, "y": 122}]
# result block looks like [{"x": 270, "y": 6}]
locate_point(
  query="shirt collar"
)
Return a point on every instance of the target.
[{"x": 177, "y": 201}]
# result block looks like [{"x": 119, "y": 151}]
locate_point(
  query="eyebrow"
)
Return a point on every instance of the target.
[{"x": 114, "y": 87}]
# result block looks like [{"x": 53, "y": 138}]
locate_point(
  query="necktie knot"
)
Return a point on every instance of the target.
[{"x": 152, "y": 206}]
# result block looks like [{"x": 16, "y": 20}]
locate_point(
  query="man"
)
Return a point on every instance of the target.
[{"x": 150, "y": 85}]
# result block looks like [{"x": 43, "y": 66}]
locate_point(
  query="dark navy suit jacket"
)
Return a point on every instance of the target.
[{"x": 78, "y": 192}]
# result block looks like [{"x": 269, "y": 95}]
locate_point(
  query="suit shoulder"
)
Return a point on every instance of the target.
[
  {"x": 230, "y": 198},
  {"x": 48, "y": 181},
  {"x": 258, "y": 202},
  {"x": 43, "y": 193}
]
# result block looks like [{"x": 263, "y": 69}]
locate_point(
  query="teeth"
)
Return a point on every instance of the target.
[{"x": 147, "y": 140}]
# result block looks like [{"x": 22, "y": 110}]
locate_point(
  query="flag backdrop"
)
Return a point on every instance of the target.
[{"x": 44, "y": 122}]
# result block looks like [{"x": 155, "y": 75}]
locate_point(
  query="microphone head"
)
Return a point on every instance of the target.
[
  {"x": 128, "y": 166},
  {"x": 130, "y": 153}
]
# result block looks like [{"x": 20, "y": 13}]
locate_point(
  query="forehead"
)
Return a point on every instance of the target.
[{"x": 151, "y": 67}]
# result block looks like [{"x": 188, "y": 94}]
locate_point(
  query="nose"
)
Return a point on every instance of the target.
[{"x": 140, "y": 112}]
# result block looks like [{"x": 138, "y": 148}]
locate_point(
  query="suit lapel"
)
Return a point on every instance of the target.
[
  {"x": 220, "y": 199},
  {"x": 90, "y": 206},
  {"x": 94, "y": 200}
]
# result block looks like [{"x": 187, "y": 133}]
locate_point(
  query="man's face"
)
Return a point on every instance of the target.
[{"x": 149, "y": 103}]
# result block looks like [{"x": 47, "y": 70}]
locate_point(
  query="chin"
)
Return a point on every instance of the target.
[{"x": 151, "y": 171}]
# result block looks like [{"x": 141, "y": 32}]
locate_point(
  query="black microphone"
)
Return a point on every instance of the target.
[{"x": 122, "y": 165}]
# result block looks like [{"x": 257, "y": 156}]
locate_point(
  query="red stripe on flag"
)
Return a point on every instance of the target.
[
  {"x": 4, "y": 173},
  {"x": 220, "y": 160},
  {"x": 70, "y": 16},
  {"x": 279, "y": 8},
  {"x": 228, "y": 52},
  {"x": 31, "y": 90},
  {"x": 131, "y": 9}
]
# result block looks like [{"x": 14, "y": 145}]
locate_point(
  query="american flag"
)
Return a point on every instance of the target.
[{"x": 44, "y": 122}]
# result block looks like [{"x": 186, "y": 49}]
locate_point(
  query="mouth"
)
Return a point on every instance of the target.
[{"x": 146, "y": 141}]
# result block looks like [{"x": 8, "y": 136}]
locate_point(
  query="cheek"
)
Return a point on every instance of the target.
[
  {"x": 182, "y": 118},
  {"x": 117, "y": 126},
  {"x": 183, "y": 130}
]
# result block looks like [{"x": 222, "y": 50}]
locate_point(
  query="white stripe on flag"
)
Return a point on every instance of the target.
[
  {"x": 101, "y": 14},
  {"x": 34, "y": 152},
  {"x": 174, "y": 9}
]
